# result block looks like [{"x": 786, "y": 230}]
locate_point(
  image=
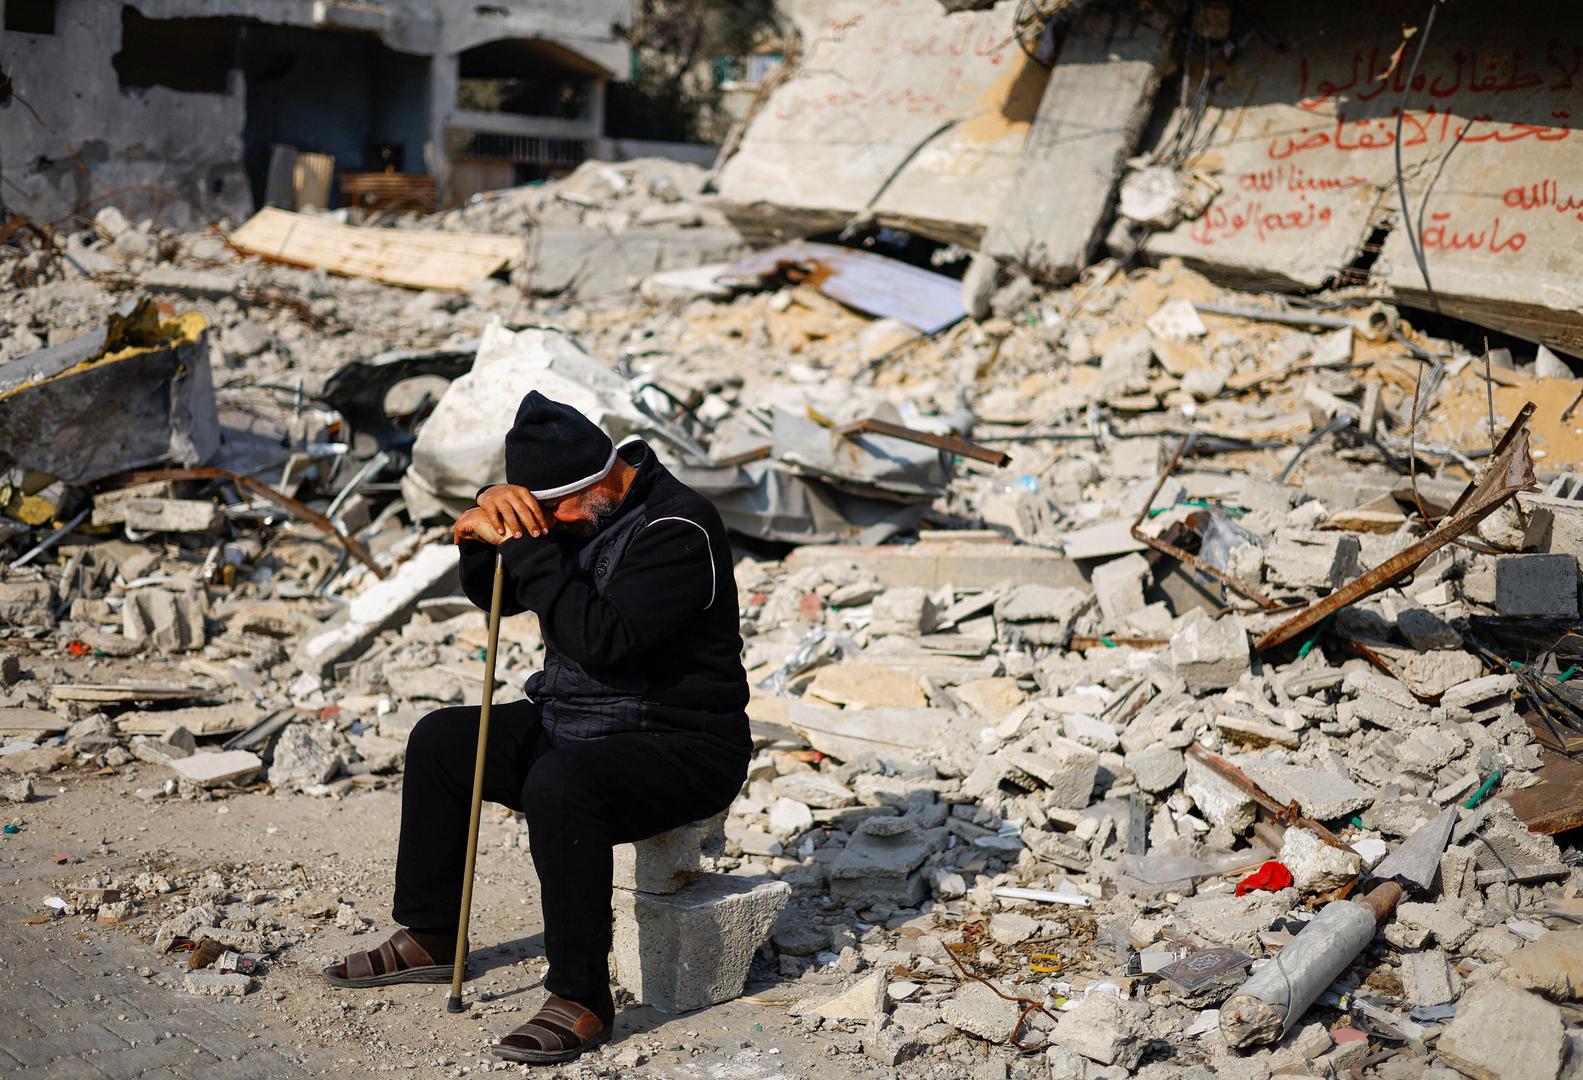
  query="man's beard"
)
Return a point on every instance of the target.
[{"x": 602, "y": 505}]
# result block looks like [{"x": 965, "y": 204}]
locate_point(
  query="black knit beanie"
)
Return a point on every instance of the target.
[{"x": 554, "y": 450}]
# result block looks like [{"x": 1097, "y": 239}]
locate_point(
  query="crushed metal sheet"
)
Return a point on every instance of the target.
[{"x": 864, "y": 280}]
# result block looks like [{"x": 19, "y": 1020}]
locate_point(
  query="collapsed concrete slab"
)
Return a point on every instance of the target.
[
  {"x": 1098, "y": 98},
  {"x": 900, "y": 113},
  {"x": 1302, "y": 146}
]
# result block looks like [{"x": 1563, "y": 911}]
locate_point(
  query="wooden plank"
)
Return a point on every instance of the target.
[{"x": 413, "y": 258}]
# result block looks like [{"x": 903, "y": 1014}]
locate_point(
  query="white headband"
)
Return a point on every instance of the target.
[{"x": 576, "y": 485}]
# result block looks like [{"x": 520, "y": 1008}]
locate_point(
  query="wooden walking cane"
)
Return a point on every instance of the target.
[{"x": 453, "y": 1003}]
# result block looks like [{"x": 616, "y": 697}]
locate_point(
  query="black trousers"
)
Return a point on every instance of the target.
[{"x": 580, "y": 796}]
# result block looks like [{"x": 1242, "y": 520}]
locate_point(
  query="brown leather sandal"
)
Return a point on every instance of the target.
[
  {"x": 399, "y": 960},
  {"x": 560, "y": 1031}
]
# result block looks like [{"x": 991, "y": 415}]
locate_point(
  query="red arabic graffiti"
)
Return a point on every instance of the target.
[
  {"x": 1440, "y": 235},
  {"x": 1418, "y": 129},
  {"x": 981, "y": 40},
  {"x": 1541, "y": 195},
  {"x": 1296, "y": 179},
  {"x": 1494, "y": 71},
  {"x": 1230, "y": 217},
  {"x": 905, "y": 99}
]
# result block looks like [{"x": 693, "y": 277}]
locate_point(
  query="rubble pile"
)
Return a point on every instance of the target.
[
  {"x": 613, "y": 196},
  {"x": 1200, "y": 609}
]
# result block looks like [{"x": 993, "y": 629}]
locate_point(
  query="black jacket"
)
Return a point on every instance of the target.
[{"x": 640, "y": 621}]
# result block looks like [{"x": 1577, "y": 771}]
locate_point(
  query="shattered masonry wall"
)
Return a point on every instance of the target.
[
  {"x": 1302, "y": 141},
  {"x": 100, "y": 137}
]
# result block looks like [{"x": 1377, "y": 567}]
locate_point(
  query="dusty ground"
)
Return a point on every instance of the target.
[{"x": 326, "y": 851}]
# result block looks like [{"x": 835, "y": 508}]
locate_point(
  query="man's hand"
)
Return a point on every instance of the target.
[
  {"x": 513, "y": 511},
  {"x": 475, "y": 525}
]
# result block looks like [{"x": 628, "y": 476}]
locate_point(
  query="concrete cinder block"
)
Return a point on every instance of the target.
[
  {"x": 667, "y": 862},
  {"x": 1539, "y": 585},
  {"x": 163, "y": 620},
  {"x": 692, "y": 948}
]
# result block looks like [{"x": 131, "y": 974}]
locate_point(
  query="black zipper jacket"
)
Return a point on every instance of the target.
[{"x": 640, "y": 621}]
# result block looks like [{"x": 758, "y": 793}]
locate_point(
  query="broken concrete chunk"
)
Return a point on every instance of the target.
[
  {"x": 1209, "y": 654},
  {"x": 163, "y": 620},
  {"x": 990, "y": 700},
  {"x": 1324, "y": 796},
  {"x": 1553, "y": 965},
  {"x": 881, "y": 863},
  {"x": 907, "y": 611},
  {"x": 1158, "y": 768},
  {"x": 813, "y": 789},
  {"x": 1220, "y": 801},
  {"x": 864, "y": 1001},
  {"x": 1477, "y": 691},
  {"x": 377, "y": 606},
  {"x": 1316, "y": 866},
  {"x": 1313, "y": 560},
  {"x": 1067, "y": 768},
  {"x": 27, "y": 605},
  {"x": 865, "y": 686},
  {"x": 1427, "y": 978},
  {"x": 1104, "y": 1029},
  {"x": 1118, "y": 585},
  {"x": 304, "y": 756},
  {"x": 978, "y": 1010},
  {"x": 1503, "y": 1033},
  {"x": 215, "y": 984},
  {"x": 1248, "y": 732},
  {"x": 215, "y": 767},
  {"x": 170, "y": 515},
  {"x": 1012, "y": 927}
]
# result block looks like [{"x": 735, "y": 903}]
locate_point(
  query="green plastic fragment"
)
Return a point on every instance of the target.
[{"x": 1484, "y": 791}]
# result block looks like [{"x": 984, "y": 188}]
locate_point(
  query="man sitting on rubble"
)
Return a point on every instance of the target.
[{"x": 636, "y": 724}]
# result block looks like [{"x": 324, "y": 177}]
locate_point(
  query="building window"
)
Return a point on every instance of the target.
[
  {"x": 30, "y": 16},
  {"x": 192, "y": 55}
]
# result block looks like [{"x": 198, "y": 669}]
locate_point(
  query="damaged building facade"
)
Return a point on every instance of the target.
[{"x": 193, "y": 109}]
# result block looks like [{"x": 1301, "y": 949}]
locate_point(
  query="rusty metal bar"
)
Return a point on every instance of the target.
[
  {"x": 1511, "y": 470},
  {"x": 258, "y": 487},
  {"x": 758, "y": 453},
  {"x": 951, "y": 444},
  {"x": 1186, "y": 556},
  {"x": 1229, "y": 772}
]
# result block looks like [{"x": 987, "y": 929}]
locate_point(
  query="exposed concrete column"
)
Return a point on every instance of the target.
[
  {"x": 596, "y": 146},
  {"x": 442, "y": 102}
]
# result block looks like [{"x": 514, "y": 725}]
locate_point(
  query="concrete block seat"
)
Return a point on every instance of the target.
[{"x": 685, "y": 935}]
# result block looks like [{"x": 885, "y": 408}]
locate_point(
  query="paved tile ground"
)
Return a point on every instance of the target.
[{"x": 74, "y": 1006}]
